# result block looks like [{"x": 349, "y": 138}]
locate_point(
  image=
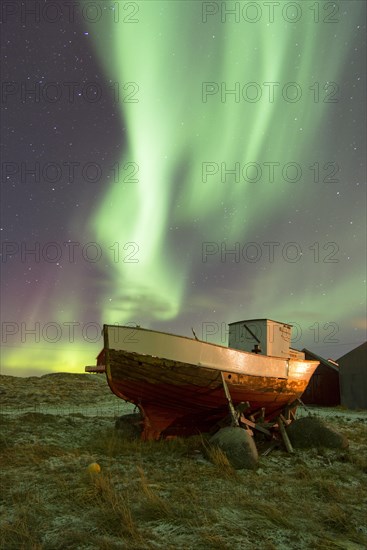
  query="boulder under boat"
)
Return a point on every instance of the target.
[{"x": 184, "y": 386}]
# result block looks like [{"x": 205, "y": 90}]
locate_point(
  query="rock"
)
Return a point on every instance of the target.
[
  {"x": 313, "y": 432},
  {"x": 129, "y": 425},
  {"x": 238, "y": 446}
]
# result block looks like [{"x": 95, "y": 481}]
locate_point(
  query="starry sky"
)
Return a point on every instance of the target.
[{"x": 173, "y": 165}]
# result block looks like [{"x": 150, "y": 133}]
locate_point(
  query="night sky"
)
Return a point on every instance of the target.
[{"x": 174, "y": 165}]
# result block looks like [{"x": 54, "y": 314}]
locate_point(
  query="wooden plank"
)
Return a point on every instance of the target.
[
  {"x": 230, "y": 404},
  {"x": 287, "y": 443},
  {"x": 251, "y": 424},
  {"x": 273, "y": 445},
  {"x": 99, "y": 369},
  {"x": 284, "y": 420}
]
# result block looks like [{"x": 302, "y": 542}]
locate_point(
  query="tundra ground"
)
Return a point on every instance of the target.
[{"x": 163, "y": 494}]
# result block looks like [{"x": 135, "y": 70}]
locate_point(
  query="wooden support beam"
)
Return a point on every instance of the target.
[
  {"x": 273, "y": 445},
  {"x": 99, "y": 369},
  {"x": 287, "y": 443},
  {"x": 286, "y": 422},
  {"x": 232, "y": 410},
  {"x": 255, "y": 426}
]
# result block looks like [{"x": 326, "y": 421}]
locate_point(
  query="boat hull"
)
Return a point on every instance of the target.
[{"x": 183, "y": 397}]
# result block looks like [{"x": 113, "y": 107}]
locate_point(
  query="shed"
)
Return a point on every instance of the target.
[
  {"x": 353, "y": 378},
  {"x": 323, "y": 387}
]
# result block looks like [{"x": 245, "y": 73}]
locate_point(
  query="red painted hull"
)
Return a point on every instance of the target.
[{"x": 181, "y": 399}]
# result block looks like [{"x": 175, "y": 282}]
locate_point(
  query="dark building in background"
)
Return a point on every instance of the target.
[
  {"x": 323, "y": 387},
  {"x": 353, "y": 378}
]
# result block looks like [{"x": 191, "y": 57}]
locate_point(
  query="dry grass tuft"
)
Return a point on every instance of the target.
[
  {"x": 114, "y": 503},
  {"x": 219, "y": 459},
  {"x": 328, "y": 490},
  {"x": 22, "y": 530},
  {"x": 302, "y": 472},
  {"x": 212, "y": 540},
  {"x": 155, "y": 507},
  {"x": 358, "y": 460},
  {"x": 336, "y": 518}
]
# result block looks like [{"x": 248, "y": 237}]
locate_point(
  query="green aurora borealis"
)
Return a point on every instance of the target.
[{"x": 170, "y": 211}]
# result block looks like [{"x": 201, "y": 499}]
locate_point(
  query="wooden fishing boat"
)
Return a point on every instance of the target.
[{"x": 178, "y": 383}]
